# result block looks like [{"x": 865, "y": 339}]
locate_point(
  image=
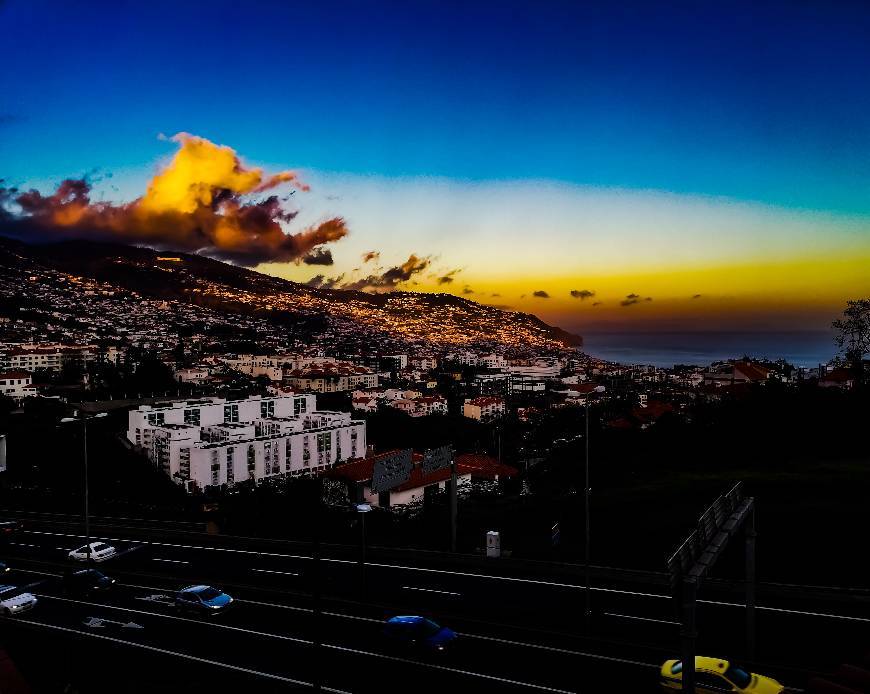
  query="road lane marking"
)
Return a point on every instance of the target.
[
  {"x": 32, "y": 571},
  {"x": 471, "y": 574},
  {"x": 445, "y": 668},
  {"x": 556, "y": 649},
  {"x": 170, "y": 561},
  {"x": 642, "y": 619},
  {"x": 432, "y": 590},
  {"x": 186, "y": 656},
  {"x": 788, "y": 611},
  {"x": 272, "y": 571},
  {"x": 282, "y": 637}
]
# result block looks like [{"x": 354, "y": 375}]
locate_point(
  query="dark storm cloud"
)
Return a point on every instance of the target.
[
  {"x": 582, "y": 294},
  {"x": 392, "y": 277},
  {"x": 448, "y": 277},
  {"x": 541, "y": 294},
  {"x": 631, "y": 299},
  {"x": 319, "y": 256}
]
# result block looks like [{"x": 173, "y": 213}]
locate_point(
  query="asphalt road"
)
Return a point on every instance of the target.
[{"x": 520, "y": 629}]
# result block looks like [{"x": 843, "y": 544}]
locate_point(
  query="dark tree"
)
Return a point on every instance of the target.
[{"x": 853, "y": 334}]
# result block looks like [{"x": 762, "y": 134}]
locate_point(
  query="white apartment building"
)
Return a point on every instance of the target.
[
  {"x": 16, "y": 384},
  {"x": 492, "y": 361},
  {"x": 50, "y": 357},
  {"x": 483, "y": 409},
  {"x": 463, "y": 357},
  {"x": 424, "y": 362},
  {"x": 213, "y": 441},
  {"x": 192, "y": 375},
  {"x": 331, "y": 378}
]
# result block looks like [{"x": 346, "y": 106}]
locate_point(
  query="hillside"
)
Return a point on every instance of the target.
[{"x": 413, "y": 317}]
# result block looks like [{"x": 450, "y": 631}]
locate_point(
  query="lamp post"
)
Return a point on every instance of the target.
[
  {"x": 362, "y": 510},
  {"x": 587, "y": 490},
  {"x": 83, "y": 419}
]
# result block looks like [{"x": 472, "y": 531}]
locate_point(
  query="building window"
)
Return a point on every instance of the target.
[
  {"x": 267, "y": 409},
  {"x": 306, "y": 452},
  {"x": 267, "y": 458},
  {"x": 192, "y": 417},
  {"x": 231, "y": 413},
  {"x": 231, "y": 473},
  {"x": 215, "y": 469},
  {"x": 184, "y": 463},
  {"x": 156, "y": 419},
  {"x": 288, "y": 454},
  {"x": 324, "y": 447},
  {"x": 252, "y": 461},
  {"x": 272, "y": 447},
  {"x": 299, "y": 406}
]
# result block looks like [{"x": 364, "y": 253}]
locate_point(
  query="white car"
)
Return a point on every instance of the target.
[
  {"x": 15, "y": 603},
  {"x": 98, "y": 551}
]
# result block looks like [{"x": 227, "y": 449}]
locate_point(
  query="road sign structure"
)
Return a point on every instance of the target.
[
  {"x": 730, "y": 514},
  {"x": 392, "y": 470}
]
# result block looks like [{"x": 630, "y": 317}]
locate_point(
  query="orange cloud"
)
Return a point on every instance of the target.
[{"x": 199, "y": 202}]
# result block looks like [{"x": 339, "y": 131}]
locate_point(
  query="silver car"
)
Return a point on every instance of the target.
[{"x": 12, "y": 603}]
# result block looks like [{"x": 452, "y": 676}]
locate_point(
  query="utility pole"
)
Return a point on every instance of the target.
[
  {"x": 453, "y": 503},
  {"x": 83, "y": 419},
  {"x": 588, "y": 608},
  {"x": 750, "y": 534},
  {"x": 87, "y": 490},
  {"x": 316, "y": 636},
  {"x": 688, "y": 632}
]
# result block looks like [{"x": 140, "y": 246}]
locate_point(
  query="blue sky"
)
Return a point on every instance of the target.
[
  {"x": 716, "y": 133},
  {"x": 760, "y": 101}
]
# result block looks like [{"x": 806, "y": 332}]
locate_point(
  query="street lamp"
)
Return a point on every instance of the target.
[
  {"x": 587, "y": 491},
  {"x": 362, "y": 510},
  {"x": 83, "y": 418}
]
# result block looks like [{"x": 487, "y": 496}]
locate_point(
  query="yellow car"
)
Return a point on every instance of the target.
[{"x": 717, "y": 675}]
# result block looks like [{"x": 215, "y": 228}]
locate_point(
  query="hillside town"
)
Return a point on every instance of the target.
[{"x": 234, "y": 397}]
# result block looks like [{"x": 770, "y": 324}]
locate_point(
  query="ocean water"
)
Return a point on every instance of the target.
[{"x": 801, "y": 348}]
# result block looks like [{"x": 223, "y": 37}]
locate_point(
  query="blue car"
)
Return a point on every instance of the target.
[
  {"x": 202, "y": 600},
  {"x": 414, "y": 632}
]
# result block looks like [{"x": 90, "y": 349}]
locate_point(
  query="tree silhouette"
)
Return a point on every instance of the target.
[{"x": 853, "y": 334}]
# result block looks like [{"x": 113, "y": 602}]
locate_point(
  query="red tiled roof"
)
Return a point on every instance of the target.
[
  {"x": 839, "y": 376},
  {"x": 753, "y": 372},
  {"x": 483, "y": 401},
  {"x": 362, "y": 469},
  {"x": 15, "y": 374}
]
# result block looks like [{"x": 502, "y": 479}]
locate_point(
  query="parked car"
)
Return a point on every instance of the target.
[
  {"x": 202, "y": 600},
  {"x": 86, "y": 582},
  {"x": 417, "y": 633},
  {"x": 96, "y": 551},
  {"x": 13, "y": 602},
  {"x": 718, "y": 675}
]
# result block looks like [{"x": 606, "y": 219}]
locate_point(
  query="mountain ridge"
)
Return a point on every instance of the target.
[{"x": 191, "y": 277}]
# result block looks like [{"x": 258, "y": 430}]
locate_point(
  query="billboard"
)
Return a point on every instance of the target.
[
  {"x": 437, "y": 458},
  {"x": 391, "y": 471}
]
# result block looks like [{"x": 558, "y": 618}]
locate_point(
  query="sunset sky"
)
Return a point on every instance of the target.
[{"x": 708, "y": 168}]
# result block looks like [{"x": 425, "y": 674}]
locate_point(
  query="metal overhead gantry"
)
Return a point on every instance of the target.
[{"x": 725, "y": 518}]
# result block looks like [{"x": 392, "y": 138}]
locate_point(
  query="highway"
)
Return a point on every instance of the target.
[{"x": 521, "y": 627}]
